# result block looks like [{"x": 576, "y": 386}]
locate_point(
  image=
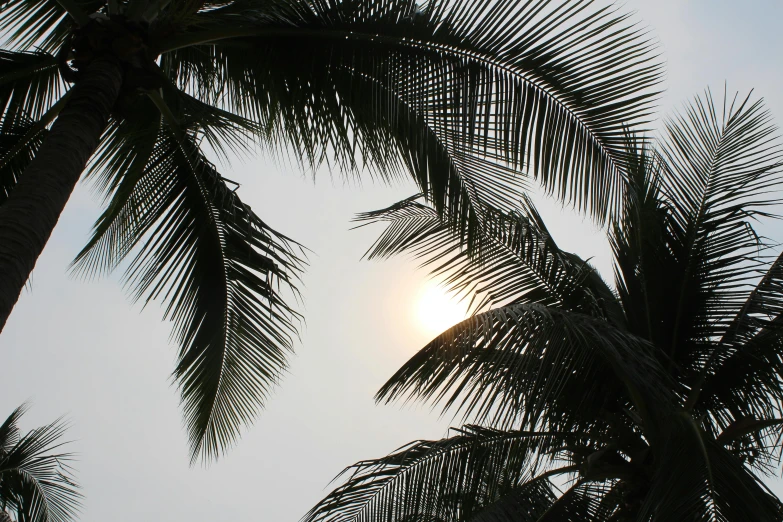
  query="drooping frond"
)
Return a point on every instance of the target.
[
  {"x": 534, "y": 366},
  {"x": 35, "y": 479},
  {"x": 447, "y": 480},
  {"x": 213, "y": 263},
  {"x": 518, "y": 260},
  {"x": 545, "y": 86}
]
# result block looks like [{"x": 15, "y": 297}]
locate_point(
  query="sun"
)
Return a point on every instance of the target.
[{"x": 436, "y": 310}]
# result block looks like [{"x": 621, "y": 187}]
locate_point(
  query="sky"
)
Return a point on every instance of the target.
[{"x": 81, "y": 349}]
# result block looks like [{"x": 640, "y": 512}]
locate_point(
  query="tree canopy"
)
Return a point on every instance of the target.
[
  {"x": 657, "y": 398},
  {"x": 462, "y": 96}
]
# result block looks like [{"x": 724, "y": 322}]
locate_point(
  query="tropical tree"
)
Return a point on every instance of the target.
[
  {"x": 35, "y": 479},
  {"x": 460, "y": 95},
  {"x": 658, "y": 398}
]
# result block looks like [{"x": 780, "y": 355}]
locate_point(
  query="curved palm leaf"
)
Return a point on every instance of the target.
[
  {"x": 547, "y": 85},
  {"x": 697, "y": 479},
  {"x": 743, "y": 376},
  {"x": 41, "y": 24},
  {"x": 529, "y": 364},
  {"x": 449, "y": 479},
  {"x": 35, "y": 482},
  {"x": 518, "y": 261}
]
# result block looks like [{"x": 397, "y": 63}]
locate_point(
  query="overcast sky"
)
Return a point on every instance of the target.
[{"x": 83, "y": 350}]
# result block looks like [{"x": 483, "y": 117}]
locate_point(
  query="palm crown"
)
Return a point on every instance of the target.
[
  {"x": 657, "y": 399},
  {"x": 36, "y": 483},
  {"x": 458, "y": 95}
]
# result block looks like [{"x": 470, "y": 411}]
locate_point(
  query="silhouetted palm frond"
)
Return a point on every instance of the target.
[{"x": 35, "y": 478}]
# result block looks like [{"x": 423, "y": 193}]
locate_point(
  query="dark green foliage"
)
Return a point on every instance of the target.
[
  {"x": 465, "y": 97},
  {"x": 35, "y": 479},
  {"x": 660, "y": 399}
]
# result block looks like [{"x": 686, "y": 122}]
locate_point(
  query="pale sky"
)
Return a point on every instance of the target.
[{"x": 81, "y": 349}]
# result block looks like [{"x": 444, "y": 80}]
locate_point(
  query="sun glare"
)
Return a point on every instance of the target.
[{"x": 437, "y": 310}]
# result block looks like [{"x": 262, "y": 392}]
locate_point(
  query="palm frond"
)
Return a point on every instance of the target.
[
  {"x": 545, "y": 86},
  {"x": 9, "y": 430},
  {"x": 581, "y": 502},
  {"x": 721, "y": 168},
  {"x": 518, "y": 260},
  {"x": 35, "y": 479},
  {"x": 30, "y": 84},
  {"x": 19, "y": 141},
  {"x": 41, "y": 24},
  {"x": 214, "y": 263},
  {"x": 647, "y": 271},
  {"x": 742, "y": 376},
  {"x": 445, "y": 480},
  {"x": 534, "y": 366}
]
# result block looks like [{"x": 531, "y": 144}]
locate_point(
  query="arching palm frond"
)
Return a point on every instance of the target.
[
  {"x": 35, "y": 479},
  {"x": 212, "y": 261},
  {"x": 531, "y": 364},
  {"x": 524, "y": 503},
  {"x": 476, "y": 76},
  {"x": 449, "y": 479},
  {"x": 518, "y": 262},
  {"x": 30, "y": 87}
]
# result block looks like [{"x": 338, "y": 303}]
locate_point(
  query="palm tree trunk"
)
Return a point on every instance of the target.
[{"x": 29, "y": 215}]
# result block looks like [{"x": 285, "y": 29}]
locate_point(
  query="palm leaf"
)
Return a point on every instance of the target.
[
  {"x": 30, "y": 84},
  {"x": 445, "y": 480},
  {"x": 525, "y": 503},
  {"x": 539, "y": 366},
  {"x": 545, "y": 86},
  {"x": 697, "y": 479},
  {"x": 35, "y": 481},
  {"x": 214, "y": 264},
  {"x": 41, "y": 24},
  {"x": 19, "y": 141},
  {"x": 743, "y": 375},
  {"x": 518, "y": 260},
  {"x": 722, "y": 167}
]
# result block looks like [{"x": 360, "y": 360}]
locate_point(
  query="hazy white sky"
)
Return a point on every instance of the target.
[{"x": 81, "y": 349}]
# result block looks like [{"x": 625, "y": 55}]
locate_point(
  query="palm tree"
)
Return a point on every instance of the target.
[
  {"x": 657, "y": 399},
  {"x": 460, "y": 95},
  {"x": 35, "y": 482}
]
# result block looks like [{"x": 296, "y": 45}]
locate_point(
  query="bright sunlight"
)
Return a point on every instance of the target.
[{"x": 437, "y": 310}]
